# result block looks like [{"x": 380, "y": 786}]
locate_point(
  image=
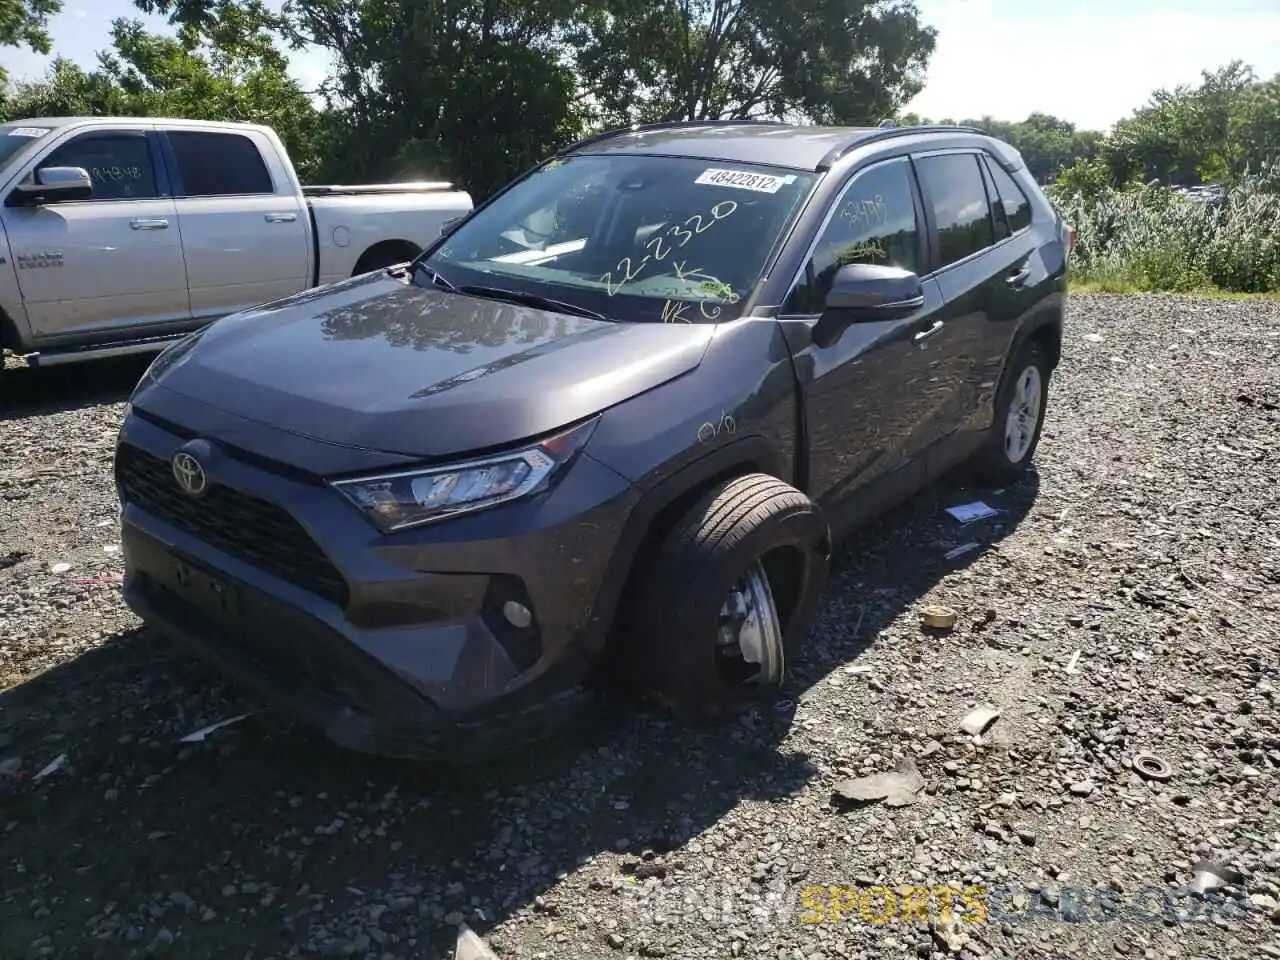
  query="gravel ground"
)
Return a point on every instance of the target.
[{"x": 1126, "y": 601}]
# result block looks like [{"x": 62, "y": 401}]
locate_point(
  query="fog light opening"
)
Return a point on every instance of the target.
[{"x": 517, "y": 614}]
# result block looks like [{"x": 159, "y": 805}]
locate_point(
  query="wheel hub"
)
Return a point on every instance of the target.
[
  {"x": 1024, "y": 414},
  {"x": 749, "y": 640}
]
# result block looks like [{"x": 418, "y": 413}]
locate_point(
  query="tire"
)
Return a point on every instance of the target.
[
  {"x": 754, "y": 537},
  {"x": 1002, "y": 459},
  {"x": 381, "y": 258}
]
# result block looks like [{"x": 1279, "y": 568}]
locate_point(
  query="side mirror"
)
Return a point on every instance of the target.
[
  {"x": 865, "y": 292},
  {"x": 53, "y": 185},
  {"x": 449, "y": 226}
]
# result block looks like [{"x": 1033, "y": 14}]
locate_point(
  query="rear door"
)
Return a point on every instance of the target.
[
  {"x": 861, "y": 385},
  {"x": 969, "y": 272},
  {"x": 1016, "y": 258},
  {"x": 244, "y": 231},
  {"x": 110, "y": 265}
]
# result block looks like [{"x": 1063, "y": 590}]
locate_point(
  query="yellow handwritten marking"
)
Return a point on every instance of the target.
[
  {"x": 673, "y": 312},
  {"x": 628, "y": 273},
  {"x": 731, "y": 204},
  {"x": 658, "y": 253}
]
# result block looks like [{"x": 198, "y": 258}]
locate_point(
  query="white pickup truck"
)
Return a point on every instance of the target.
[{"x": 118, "y": 234}]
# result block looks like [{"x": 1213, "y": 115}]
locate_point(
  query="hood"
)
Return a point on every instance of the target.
[{"x": 378, "y": 363}]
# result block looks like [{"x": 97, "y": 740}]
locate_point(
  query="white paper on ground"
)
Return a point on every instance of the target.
[{"x": 969, "y": 512}]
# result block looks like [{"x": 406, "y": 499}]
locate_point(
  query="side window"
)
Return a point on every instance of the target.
[
  {"x": 1017, "y": 208},
  {"x": 119, "y": 165},
  {"x": 960, "y": 207},
  {"x": 219, "y": 164},
  {"x": 998, "y": 219},
  {"x": 874, "y": 222}
]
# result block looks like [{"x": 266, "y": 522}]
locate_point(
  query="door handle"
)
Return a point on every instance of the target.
[
  {"x": 280, "y": 217},
  {"x": 149, "y": 224},
  {"x": 1019, "y": 278},
  {"x": 926, "y": 334}
]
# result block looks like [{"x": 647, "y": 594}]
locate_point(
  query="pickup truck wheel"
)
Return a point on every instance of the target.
[
  {"x": 1019, "y": 418},
  {"x": 722, "y": 608}
]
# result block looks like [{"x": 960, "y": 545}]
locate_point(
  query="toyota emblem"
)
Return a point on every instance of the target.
[{"x": 189, "y": 474}]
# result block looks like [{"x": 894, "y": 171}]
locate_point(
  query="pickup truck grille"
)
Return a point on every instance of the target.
[{"x": 250, "y": 529}]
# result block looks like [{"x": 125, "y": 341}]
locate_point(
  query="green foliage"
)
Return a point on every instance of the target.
[
  {"x": 1224, "y": 127},
  {"x": 828, "y": 61},
  {"x": 148, "y": 75},
  {"x": 24, "y": 23},
  {"x": 1151, "y": 238}
]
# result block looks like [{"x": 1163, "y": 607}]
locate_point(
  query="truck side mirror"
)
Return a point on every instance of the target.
[{"x": 53, "y": 185}]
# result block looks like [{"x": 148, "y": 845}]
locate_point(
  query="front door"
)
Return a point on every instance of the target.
[
  {"x": 861, "y": 383},
  {"x": 108, "y": 263}
]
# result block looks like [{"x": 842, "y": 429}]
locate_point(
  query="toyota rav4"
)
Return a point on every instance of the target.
[{"x": 610, "y": 423}]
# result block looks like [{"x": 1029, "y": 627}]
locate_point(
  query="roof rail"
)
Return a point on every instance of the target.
[
  {"x": 664, "y": 125},
  {"x": 889, "y": 133}
]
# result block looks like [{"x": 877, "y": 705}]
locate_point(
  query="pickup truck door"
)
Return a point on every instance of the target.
[
  {"x": 108, "y": 263},
  {"x": 861, "y": 384},
  {"x": 245, "y": 228}
]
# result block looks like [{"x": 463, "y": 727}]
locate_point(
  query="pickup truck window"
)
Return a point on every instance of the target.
[
  {"x": 119, "y": 164},
  {"x": 635, "y": 238},
  {"x": 219, "y": 164},
  {"x": 16, "y": 138}
]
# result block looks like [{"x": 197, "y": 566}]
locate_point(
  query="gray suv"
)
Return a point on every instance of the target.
[{"x": 609, "y": 425}]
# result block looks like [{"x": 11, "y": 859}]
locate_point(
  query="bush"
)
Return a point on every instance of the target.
[{"x": 1151, "y": 238}]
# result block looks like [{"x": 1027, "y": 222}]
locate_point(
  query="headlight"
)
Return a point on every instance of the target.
[{"x": 398, "y": 501}]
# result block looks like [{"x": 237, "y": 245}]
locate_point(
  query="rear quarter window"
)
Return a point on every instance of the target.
[{"x": 1017, "y": 208}]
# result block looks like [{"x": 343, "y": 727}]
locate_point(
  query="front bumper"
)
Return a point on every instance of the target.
[{"x": 394, "y": 646}]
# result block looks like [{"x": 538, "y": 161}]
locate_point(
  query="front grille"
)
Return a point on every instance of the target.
[{"x": 248, "y": 528}]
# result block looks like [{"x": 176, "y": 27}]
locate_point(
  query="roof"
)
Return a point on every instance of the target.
[
  {"x": 777, "y": 144},
  {"x": 59, "y": 122}
]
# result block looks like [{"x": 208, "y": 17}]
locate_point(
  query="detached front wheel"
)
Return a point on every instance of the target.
[{"x": 721, "y": 609}]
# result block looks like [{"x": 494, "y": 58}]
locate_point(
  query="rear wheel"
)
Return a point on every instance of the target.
[
  {"x": 721, "y": 610},
  {"x": 383, "y": 255},
  {"x": 1019, "y": 419}
]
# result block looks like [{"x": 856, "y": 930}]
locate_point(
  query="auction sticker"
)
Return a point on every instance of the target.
[
  {"x": 759, "y": 182},
  {"x": 28, "y": 131}
]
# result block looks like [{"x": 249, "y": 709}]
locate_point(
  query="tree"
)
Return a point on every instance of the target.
[
  {"x": 148, "y": 75},
  {"x": 827, "y": 61},
  {"x": 1192, "y": 135},
  {"x": 24, "y": 23}
]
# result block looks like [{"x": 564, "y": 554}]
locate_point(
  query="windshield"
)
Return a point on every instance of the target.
[
  {"x": 15, "y": 138},
  {"x": 657, "y": 239}
]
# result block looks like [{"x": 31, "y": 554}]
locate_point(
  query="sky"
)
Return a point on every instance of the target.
[{"x": 1091, "y": 62}]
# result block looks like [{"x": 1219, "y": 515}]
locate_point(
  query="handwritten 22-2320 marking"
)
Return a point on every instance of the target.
[{"x": 684, "y": 232}]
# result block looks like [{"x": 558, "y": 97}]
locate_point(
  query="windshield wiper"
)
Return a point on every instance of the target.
[
  {"x": 531, "y": 300},
  {"x": 438, "y": 278}
]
